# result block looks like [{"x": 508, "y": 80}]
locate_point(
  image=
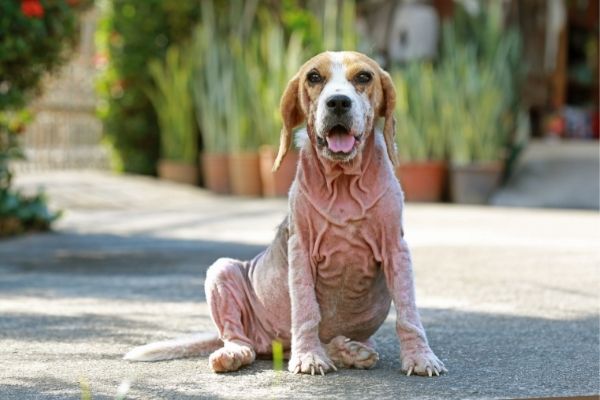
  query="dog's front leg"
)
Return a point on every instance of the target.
[
  {"x": 308, "y": 355},
  {"x": 416, "y": 355}
]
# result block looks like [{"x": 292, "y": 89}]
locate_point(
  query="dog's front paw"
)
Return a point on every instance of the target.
[
  {"x": 421, "y": 361},
  {"x": 310, "y": 362}
]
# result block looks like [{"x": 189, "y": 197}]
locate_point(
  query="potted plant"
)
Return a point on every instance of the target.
[
  {"x": 472, "y": 117},
  {"x": 172, "y": 101},
  {"x": 210, "y": 98},
  {"x": 271, "y": 62},
  {"x": 226, "y": 97},
  {"x": 478, "y": 142},
  {"x": 244, "y": 164},
  {"x": 480, "y": 76},
  {"x": 421, "y": 139}
]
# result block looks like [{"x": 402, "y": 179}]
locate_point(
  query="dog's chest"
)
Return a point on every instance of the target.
[
  {"x": 349, "y": 281},
  {"x": 346, "y": 256},
  {"x": 343, "y": 243},
  {"x": 345, "y": 239}
]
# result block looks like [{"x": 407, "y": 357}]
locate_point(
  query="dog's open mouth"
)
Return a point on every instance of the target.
[{"x": 340, "y": 140}]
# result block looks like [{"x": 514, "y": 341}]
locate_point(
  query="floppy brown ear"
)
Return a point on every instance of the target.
[
  {"x": 292, "y": 116},
  {"x": 387, "y": 111}
]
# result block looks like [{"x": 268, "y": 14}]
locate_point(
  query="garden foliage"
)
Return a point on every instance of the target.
[
  {"x": 240, "y": 40},
  {"x": 246, "y": 62},
  {"x": 35, "y": 36},
  {"x": 172, "y": 100},
  {"x": 482, "y": 65},
  {"x": 238, "y": 82},
  {"x": 131, "y": 34},
  {"x": 465, "y": 106}
]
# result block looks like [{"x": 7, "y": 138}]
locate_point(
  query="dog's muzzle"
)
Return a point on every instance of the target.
[{"x": 337, "y": 136}]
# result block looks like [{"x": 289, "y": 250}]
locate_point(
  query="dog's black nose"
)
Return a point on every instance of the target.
[{"x": 339, "y": 104}]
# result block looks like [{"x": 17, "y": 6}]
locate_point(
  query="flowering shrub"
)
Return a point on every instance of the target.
[
  {"x": 34, "y": 37},
  {"x": 32, "y": 8}
]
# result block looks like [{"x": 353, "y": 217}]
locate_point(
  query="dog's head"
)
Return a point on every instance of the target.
[{"x": 340, "y": 95}]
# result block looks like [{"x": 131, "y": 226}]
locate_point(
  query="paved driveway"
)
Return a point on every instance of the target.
[{"x": 509, "y": 298}]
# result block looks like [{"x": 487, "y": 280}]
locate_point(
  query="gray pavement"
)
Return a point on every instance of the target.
[
  {"x": 509, "y": 297},
  {"x": 554, "y": 174}
]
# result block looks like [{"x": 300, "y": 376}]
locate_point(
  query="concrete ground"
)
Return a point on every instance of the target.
[
  {"x": 555, "y": 174},
  {"x": 509, "y": 298}
]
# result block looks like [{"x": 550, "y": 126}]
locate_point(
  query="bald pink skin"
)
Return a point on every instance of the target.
[
  {"x": 347, "y": 257},
  {"x": 334, "y": 268},
  {"x": 347, "y": 262}
]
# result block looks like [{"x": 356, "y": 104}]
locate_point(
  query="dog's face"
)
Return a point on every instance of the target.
[
  {"x": 340, "y": 95},
  {"x": 341, "y": 90}
]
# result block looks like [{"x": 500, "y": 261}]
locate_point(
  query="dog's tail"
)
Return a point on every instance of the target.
[{"x": 195, "y": 345}]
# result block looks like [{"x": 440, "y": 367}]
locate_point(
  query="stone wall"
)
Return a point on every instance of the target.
[{"x": 66, "y": 134}]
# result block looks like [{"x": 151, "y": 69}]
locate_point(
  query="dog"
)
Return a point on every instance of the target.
[{"x": 326, "y": 283}]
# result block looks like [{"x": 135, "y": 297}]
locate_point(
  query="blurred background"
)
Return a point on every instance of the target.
[
  {"x": 143, "y": 133},
  {"x": 497, "y": 100}
]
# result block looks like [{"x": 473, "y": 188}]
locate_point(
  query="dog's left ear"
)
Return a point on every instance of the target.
[
  {"x": 387, "y": 111},
  {"x": 292, "y": 116}
]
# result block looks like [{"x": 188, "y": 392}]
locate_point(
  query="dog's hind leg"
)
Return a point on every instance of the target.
[
  {"x": 346, "y": 353},
  {"x": 226, "y": 295}
]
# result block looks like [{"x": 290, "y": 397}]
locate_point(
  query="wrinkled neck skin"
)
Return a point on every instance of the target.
[{"x": 344, "y": 192}]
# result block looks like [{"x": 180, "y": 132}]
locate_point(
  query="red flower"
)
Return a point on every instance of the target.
[{"x": 32, "y": 8}]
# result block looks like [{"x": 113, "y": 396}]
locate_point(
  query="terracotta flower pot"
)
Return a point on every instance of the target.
[
  {"x": 177, "y": 171},
  {"x": 215, "y": 170},
  {"x": 277, "y": 184},
  {"x": 244, "y": 172},
  {"x": 423, "y": 181},
  {"x": 474, "y": 183}
]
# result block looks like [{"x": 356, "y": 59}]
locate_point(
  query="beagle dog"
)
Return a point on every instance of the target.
[{"x": 339, "y": 260}]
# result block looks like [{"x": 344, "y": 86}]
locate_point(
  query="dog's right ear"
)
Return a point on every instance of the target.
[{"x": 291, "y": 115}]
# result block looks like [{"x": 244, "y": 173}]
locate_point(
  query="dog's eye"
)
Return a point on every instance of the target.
[
  {"x": 314, "y": 77},
  {"x": 363, "y": 77}
]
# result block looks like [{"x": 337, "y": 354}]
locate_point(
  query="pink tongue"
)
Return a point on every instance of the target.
[{"x": 340, "y": 142}]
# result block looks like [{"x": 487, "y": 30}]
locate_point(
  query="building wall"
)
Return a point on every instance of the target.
[{"x": 66, "y": 134}]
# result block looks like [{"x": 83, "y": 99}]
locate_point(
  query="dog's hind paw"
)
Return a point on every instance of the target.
[
  {"x": 422, "y": 362},
  {"x": 231, "y": 357},
  {"x": 310, "y": 363},
  {"x": 351, "y": 354}
]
